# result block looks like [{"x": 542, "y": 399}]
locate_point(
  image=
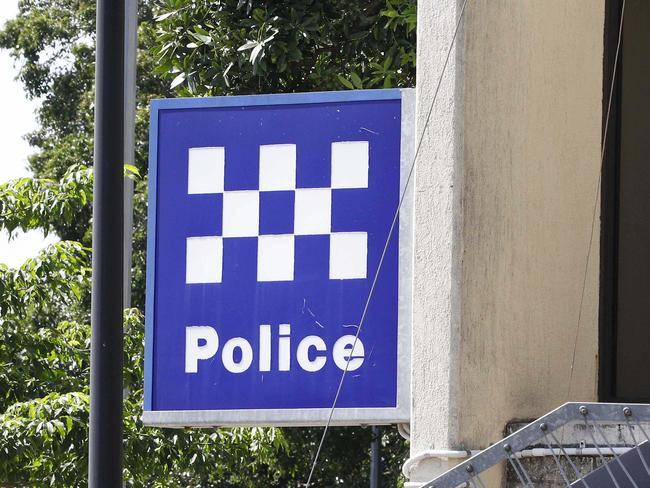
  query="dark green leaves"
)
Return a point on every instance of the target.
[{"x": 236, "y": 46}]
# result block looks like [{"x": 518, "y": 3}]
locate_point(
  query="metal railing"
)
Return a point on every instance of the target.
[{"x": 616, "y": 463}]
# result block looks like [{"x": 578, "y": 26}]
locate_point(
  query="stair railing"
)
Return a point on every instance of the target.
[{"x": 616, "y": 469}]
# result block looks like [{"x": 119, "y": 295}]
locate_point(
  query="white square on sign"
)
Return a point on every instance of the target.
[
  {"x": 275, "y": 257},
  {"x": 241, "y": 213},
  {"x": 348, "y": 255},
  {"x": 203, "y": 259},
  {"x": 350, "y": 162},
  {"x": 277, "y": 167},
  {"x": 205, "y": 172},
  {"x": 313, "y": 211}
]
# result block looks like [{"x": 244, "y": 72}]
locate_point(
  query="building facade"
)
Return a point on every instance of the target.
[{"x": 532, "y": 252}]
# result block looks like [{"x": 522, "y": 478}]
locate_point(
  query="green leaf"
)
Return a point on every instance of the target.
[
  {"x": 248, "y": 45},
  {"x": 390, "y": 13},
  {"x": 204, "y": 38},
  {"x": 162, "y": 17},
  {"x": 359, "y": 35},
  {"x": 345, "y": 82},
  {"x": 356, "y": 81},
  {"x": 178, "y": 80},
  {"x": 256, "y": 53},
  {"x": 131, "y": 171}
]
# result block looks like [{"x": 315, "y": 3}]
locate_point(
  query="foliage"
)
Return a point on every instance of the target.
[
  {"x": 190, "y": 48},
  {"x": 44, "y": 439},
  {"x": 249, "y": 46},
  {"x": 54, "y": 277},
  {"x": 31, "y": 203},
  {"x": 53, "y": 44}
]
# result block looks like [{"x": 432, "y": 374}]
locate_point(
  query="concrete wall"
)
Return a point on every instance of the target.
[
  {"x": 505, "y": 192},
  {"x": 438, "y": 231}
]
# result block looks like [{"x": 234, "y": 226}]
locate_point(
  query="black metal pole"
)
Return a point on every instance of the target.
[
  {"x": 375, "y": 456},
  {"x": 106, "y": 350}
]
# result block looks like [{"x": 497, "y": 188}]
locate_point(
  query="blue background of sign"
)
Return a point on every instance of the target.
[{"x": 238, "y": 305}]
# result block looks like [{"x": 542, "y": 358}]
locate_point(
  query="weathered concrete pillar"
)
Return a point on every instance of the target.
[
  {"x": 506, "y": 184},
  {"x": 438, "y": 227}
]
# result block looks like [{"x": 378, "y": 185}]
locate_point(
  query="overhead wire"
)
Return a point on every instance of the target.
[
  {"x": 595, "y": 208},
  {"x": 387, "y": 242}
]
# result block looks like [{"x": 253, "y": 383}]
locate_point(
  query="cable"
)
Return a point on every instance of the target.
[
  {"x": 598, "y": 184},
  {"x": 390, "y": 234},
  {"x": 593, "y": 216}
]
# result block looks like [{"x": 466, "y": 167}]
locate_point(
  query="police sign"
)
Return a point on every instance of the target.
[{"x": 268, "y": 216}]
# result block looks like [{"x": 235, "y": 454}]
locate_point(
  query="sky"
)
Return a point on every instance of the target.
[{"x": 16, "y": 119}]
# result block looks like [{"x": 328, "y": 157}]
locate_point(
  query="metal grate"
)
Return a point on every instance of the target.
[{"x": 620, "y": 468}]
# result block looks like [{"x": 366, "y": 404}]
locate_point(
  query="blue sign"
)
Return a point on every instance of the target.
[{"x": 268, "y": 216}]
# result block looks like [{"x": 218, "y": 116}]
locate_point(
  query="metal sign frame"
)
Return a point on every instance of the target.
[{"x": 293, "y": 416}]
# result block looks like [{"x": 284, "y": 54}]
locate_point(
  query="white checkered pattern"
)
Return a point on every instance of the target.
[{"x": 312, "y": 213}]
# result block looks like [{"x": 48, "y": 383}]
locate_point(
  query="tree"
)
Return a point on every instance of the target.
[
  {"x": 233, "y": 47},
  {"x": 187, "y": 48},
  {"x": 45, "y": 359},
  {"x": 248, "y": 46}
]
